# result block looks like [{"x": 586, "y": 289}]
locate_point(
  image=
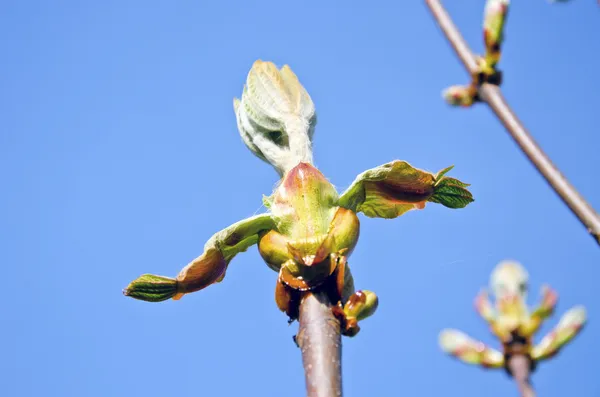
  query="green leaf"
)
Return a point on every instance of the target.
[
  {"x": 151, "y": 288},
  {"x": 454, "y": 181},
  {"x": 439, "y": 175},
  {"x": 451, "y": 193}
]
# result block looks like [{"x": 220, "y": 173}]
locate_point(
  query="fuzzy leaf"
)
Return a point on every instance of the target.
[{"x": 276, "y": 116}]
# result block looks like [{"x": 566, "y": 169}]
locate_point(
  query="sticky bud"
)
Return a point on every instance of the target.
[{"x": 151, "y": 288}]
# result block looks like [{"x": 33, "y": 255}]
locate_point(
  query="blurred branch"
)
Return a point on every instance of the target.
[
  {"x": 492, "y": 95},
  {"x": 320, "y": 342},
  {"x": 519, "y": 366}
]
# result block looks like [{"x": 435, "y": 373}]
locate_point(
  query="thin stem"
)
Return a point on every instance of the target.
[
  {"x": 453, "y": 35},
  {"x": 519, "y": 365},
  {"x": 492, "y": 95},
  {"x": 320, "y": 342}
]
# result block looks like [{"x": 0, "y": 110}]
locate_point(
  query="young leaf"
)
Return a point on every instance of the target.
[
  {"x": 151, "y": 288},
  {"x": 451, "y": 193}
]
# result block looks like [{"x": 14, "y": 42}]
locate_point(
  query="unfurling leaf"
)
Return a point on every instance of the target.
[
  {"x": 203, "y": 271},
  {"x": 392, "y": 189},
  {"x": 389, "y": 190},
  {"x": 468, "y": 350},
  {"x": 151, "y": 288},
  {"x": 443, "y": 172},
  {"x": 208, "y": 268},
  {"x": 276, "y": 116},
  {"x": 451, "y": 193},
  {"x": 568, "y": 327}
]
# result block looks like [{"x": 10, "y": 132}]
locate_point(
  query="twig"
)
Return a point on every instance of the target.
[
  {"x": 492, "y": 95},
  {"x": 519, "y": 365},
  {"x": 320, "y": 342}
]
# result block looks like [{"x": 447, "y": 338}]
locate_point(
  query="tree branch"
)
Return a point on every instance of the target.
[
  {"x": 320, "y": 342},
  {"x": 492, "y": 95},
  {"x": 519, "y": 365}
]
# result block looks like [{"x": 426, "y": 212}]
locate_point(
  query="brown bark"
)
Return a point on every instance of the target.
[
  {"x": 319, "y": 339},
  {"x": 519, "y": 366},
  {"x": 492, "y": 95}
]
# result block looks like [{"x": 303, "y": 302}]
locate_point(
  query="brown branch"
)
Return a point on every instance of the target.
[
  {"x": 320, "y": 342},
  {"x": 492, "y": 95},
  {"x": 519, "y": 365}
]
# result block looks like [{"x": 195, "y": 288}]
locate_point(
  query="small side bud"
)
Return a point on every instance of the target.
[
  {"x": 151, "y": 288},
  {"x": 361, "y": 305},
  {"x": 459, "y": 95}
]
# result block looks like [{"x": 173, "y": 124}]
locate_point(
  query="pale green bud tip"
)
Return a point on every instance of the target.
[
  {"x": 151, "y": 288},
  {"x": 361, "y": 305}
]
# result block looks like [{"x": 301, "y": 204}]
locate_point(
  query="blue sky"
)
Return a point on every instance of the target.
[{"x": 119, "y": 155}]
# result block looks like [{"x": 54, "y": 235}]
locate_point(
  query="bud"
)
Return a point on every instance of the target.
[
  {"x": 461, "y": 346},
  {"x": 151, "y": 288},
  {"x": 276, "y": 116},
  {"x": 295, "y": 209},
  {"x": 494, "y": 19},
  {"x": 345, "y": 230},
  {"x": 460, "y": 95},
  {"x": 273, "y": 249},
  {"x": 361, "y": 305},
  {"x": 568, "y": 327}
]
